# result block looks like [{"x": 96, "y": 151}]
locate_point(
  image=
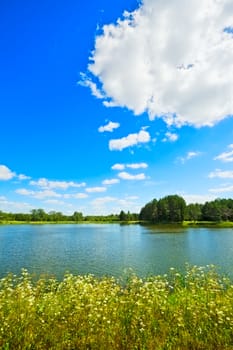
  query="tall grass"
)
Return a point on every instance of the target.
[{"x": 174, "y": 311}]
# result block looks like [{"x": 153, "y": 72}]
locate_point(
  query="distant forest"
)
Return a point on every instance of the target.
[
  {"x": 169, "y": 209},
  {"x": 174, "y": 209}
]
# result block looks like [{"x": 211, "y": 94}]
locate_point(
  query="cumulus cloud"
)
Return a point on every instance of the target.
[
  {"x": 80, "y": 195},
  {"x": 126, "y": 176},
  {"x": 103, "y": 200},
  {"x": 226, "y": 156},
  {"x": 188, "y": 156},
  {"x": 169, "y": 136},
  {"x": 96, "y": 189},
  {"x": 130, "y": 140},
  {"x": 221, "y": 189},
  {"x": 38, "y": 194},
  {"x": 131, "y": 166},
  {"x": 13, "y": 206},
  {"x": 63, "y": 185},
  {"x": 118, "y": 166},
  {"x": 137, "y": 165},
  {"x": 109, "y": 127},
  {"x": 6, "y": 173},
  {"x": 110, "y": 181},
  {"x": 222, "y": 174},
  {"x": 170, "y": 59},
  {"x": 198, "y": 198},
  {"x": 23, "y": 177}
]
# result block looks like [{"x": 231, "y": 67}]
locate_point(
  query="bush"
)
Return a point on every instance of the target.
[{"x": 173, "y": 311}]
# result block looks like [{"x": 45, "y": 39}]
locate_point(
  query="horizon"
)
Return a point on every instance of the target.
[{"x": 106, "y": 106}]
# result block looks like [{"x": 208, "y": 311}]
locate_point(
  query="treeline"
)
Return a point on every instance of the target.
[
  {"x": 39, "y": 215},
  {"x": 173, "y": 208}
]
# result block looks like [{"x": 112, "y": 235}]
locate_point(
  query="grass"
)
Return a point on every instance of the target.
[
  {"x": 218, "y": 224},
  {"x": 173, "y": 311}
]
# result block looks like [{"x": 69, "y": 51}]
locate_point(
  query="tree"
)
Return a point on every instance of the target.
[
  {"x": 171, "y": 209},
  {"x": 38, "y": 215},
  {"x": 123, "y": 216},
  {"x": 149, "y": 212},
  {"x": 193, "y": 212},
  {"x": 77, "y": 216}
]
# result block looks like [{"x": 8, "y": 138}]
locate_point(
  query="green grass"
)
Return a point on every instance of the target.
[
  {"x": 174, "y": 311},
  {"x": 220, "y": 224}
]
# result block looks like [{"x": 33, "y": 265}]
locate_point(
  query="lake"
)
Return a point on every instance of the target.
[{"x": 111, "y": 249}]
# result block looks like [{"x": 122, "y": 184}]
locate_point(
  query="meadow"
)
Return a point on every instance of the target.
[{"x": 193, "y": 310}]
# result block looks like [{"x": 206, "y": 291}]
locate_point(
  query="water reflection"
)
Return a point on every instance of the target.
[{"x": 110, "y": 249}]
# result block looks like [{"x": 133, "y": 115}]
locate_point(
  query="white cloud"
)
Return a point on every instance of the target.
[
  {"x": 172, "y": 137},
  {"x": 188, "y": 156},
  {"x": 102, "y": 200},
  {"x": 63, "y": 185},
  {"x": 23, "y": 177},
  {"x": 226, "y": 156},
  {"x": 198, "y": 198},
  {"x": 110, "y": 181},
  {"x": 221, "y": 189},
  {"x": 96, "y": 189},
  {"x": 141, "y": 165},
  {"x": 38, "y": 194},
  {"x": 54, "y": 201},
  {"x": 126, "y": 176},
  {"x": 222, "y": 174},
  {"x": 80, "y": 195},
  {"x": 167, "y": 58},
  {"x": 130, "y": 140},
  {"x": 118, "y": 166},
  {"x": 85, "y": 81},
  {"x": 6, "y": 173},
  {"x": 137, "y": 166},
  {"x": 109, "y": 127},
  {"x": 12, "y": 206},
  {"x": 75, "y": 195}
]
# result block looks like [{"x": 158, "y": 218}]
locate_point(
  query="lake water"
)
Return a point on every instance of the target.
[{"x": 111, "y": 249}]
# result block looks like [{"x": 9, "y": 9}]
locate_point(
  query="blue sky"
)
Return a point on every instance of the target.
[{"x": 107, "y": 105}]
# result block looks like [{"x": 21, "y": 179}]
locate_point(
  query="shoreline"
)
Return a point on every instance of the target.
[{"x": 197, "y": 224}]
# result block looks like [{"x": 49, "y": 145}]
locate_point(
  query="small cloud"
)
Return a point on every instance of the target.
[
  {"x": 221, "y": 189},
  {"x": 109, "y": 127},
  {"x": 80, "y": 195},
  {"x": 126, "y": 176},
  {"x": 38, "y": 194},
  {"x": 11, "y": 206},
  {"x": 172, "y": 137},
  {"x": 64, "y": 185},
  {"x": 102, "y": 200},
  {"x": 197, "y": 198},
  {"x": 75, "y": 195},
  {"x": 6, "y": 173},
  {"x": 85, "y": 81},
  {"x": 118, "y": 166},
  {"x": 130, "y": 140},
  {"x": 226, "y": 156},
  {"x": 137, "y": 165},
  {"x": 188, "y": 156},
  {"x": 96, "y": 189},
  {"x": 141, "y": 165},
  {"x": 110, "y": 181},
  {"x": 222, "y": 174},
  {"x": 24, "y": 192},
  {"x": 23, "y": 177},
  {"x": 54, "y": 201}
]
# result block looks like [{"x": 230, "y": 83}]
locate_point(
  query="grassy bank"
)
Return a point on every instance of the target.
[
  {"x": 191, "y": 311},
  {"x": 221, "y": 224}
]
